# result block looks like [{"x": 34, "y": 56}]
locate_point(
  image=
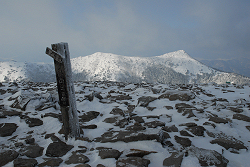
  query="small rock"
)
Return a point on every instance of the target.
[
  {"x": 169, "y": 107},
  {"x": 100, "y": 165},
  {"x": 145, "y": 100},
  {"x": 237, "y": 110},
  {"x": 185, "y": 142},
  {"x": 241, "y": 117},
  {"x": 58, "y": 149},
  {"x": 51, "y": 162},
  {"x": 209, "y": 123},
  {"x": 32, "y": 122},
  {"x": 132, "y": 161},
  {"x": 185, "y": 133},
  {"x": 7, "y": 129},
  {"x": 109, "y": 153},
  {"x": 22, "y": 162},
  {"x": 190, "y": 124},
  {"x": 137, "y": 119},
  {"x": 218, "y": 120},
  {"x": 77, "y": 158},
  {"x": 136, "y": 127},
  {"x": 86, "y": 117},
  {"x": 30, "y": 141},
  {"x": 111, "y": 119},
  {"x": 89, "y": 126},
  {"x": 117, "y": 111},
  {"x": 138, "y": 153},
  {"x": 174, "y": 160},
  {"x": 7, "y": 156},
  {"x": 226, "y": 143},
  {"x": 248, "y": 128},
  {"x": 172, "y": 128},
  {"x": 33, "y": 151},
  {"x": 197, "y": 130},
  {"x": 154, "y": 124},
  {"x": 83, "y": 165},
  {"x": 208, "y": 157}
]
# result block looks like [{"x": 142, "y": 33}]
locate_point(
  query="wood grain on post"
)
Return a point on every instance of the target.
[{"x": 65, "y": 86}]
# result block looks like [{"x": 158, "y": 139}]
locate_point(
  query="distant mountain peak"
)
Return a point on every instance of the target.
[{"x": 171, "y": 68}]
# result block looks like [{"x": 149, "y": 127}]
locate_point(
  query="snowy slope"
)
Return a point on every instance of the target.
[{"x": 171, "y": 68}]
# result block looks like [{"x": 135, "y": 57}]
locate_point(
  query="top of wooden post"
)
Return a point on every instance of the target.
[{"x": 54, "y": 55}]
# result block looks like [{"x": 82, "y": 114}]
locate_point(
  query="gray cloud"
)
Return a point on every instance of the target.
[{"x": 205, "y": 29}]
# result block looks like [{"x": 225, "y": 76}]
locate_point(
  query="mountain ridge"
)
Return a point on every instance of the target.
[{"x": 171, "y": 68}]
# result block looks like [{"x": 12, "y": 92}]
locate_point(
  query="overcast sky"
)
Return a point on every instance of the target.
[{"x": 205, "y": 29}]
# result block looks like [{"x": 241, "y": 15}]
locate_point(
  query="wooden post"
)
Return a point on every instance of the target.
[{"x": 65, "y": 86}]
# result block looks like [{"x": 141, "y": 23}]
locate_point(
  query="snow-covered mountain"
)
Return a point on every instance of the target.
[{"x": 173, "y": 68}]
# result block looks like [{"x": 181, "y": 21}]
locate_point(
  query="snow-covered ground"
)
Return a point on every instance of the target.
[{"x": 126, "y": 123}]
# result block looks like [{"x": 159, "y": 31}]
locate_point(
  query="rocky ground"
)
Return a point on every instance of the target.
[{"x": 126, "y": 125}]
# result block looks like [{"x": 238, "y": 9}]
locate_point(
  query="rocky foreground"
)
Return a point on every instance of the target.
[{"x": 126, "y": 125}]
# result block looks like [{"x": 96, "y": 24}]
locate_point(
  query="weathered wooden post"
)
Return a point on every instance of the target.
[{"x": 65, "y": 86}]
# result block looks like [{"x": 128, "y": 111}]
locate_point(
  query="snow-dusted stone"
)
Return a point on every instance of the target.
[
  {"x": 138, "y": 119},
  {"x": 83, "y": 165},
  {"x": 241, "y": 117},
  {"x": 54, "y": 115},
  {"x": 2, "y": 92},
  {"x": 185, "y": 133},
  {"x": 130, "y": 108},
  {"x": 145, "y": 100},
  {"x": 51, "y": 162},
  {"x": 197, "y": 130},
  {"x": 209, "y": 123},
  {"x": 22, "y": 101},
  {"x": 45, "y": 106},
  {"x": 126, "y": 136},
  {"x": 33, "y": 151},
  {"x": 172, "y": 128},
  {"x": 119, "y": 97},
  {"x": 237, "y": 110},
  {"x": 122, "y": 122},
  {"x": 136, "y": 127},
  {"x": 185, "y": 142},
  {"x": 77, "y": 158},
  {"x": 154, "y": 124},
  {"x": 7, "y": 129},
  {"x": 93, "y": 126},
  {"x": 182, "y": 96},
  {"x": 109, "y": 153},
  {"x": 218, "y": 120},
  {"x": 111, "y": 119},
  {"x": 138, "y": 153},
  {"x": 169, "y": 107},
  {"x": 208, "y": 157},
  {"x": 7, "y": 156},
  {"x": 117, "y": 111},
  {"x": 33, "y": 121},
  {"x": 23, "y": 162},
  {"x": 58, "y": 149},
  {"x": 10, "y": 113},
  {"x": 248, "y": 128},
  {"x": 189, "y": 124},
  {"x": 163, "y": 136},
  {"x": 227, "y": 143},
  {"x": 88, "y": 116},
  {"x": 132, "y": 161},
  {"x": 183, "y": 106},
  {"x": 174, "y": 160}
]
